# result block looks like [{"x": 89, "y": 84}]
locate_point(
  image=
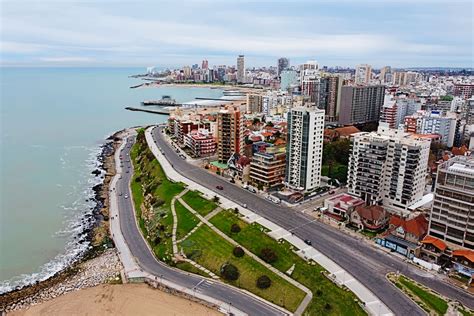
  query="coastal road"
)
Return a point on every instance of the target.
[
  {"x": 366, "y": 263},
  {"x": 146, "y": 260}
]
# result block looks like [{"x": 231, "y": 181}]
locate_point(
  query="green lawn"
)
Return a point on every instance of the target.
[
  {"x": 340, "y": 302},
  {"x": 212, "y": 251},
  {"x": 186, "y": 220},
  {"x": 148, "y": 172},
  {"x": 199, "y": 203},
  {"x": 433, "y": 301}
]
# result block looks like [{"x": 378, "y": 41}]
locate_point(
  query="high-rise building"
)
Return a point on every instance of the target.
[
  {"x": 363, "y": 74},
  {"x": 385, "y": 74},
  {"x": 283, "y": 64},
  {"x": 304, "y": 148},
  {"x": 361, "y": 104},
  {"x": 388, "y": 168},
  {"x": 205, "y": 64},
  {"x": 452, "y": 216},
  {"x": 330, "y": 96},
  {"x": 465, "y": 91},
  {"x": 434, "y": 122},
  {"x": 288, "y": 79},
  {"x": 396, "y": 108},
  {"x": 399, "y": 78},
  {"x": 240, "y": 69},
  {"x": 230, "y": 138},
  {"x": 254, "y": 103},
  {"x": 310, "y": 88}
]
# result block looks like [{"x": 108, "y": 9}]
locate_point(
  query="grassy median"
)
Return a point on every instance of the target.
[
  {"x": 212, "y": 251},
  {"x": 328, "y": 298},
  {"x": 186, "y": 220},
  {"x": 199, "y": 203},
  {"x": 152, "y": 194}
]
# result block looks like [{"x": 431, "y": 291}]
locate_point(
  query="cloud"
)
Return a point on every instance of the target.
[{"x": 121, "y": 32}]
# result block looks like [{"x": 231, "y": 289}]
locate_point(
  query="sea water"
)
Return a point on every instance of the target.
[{"x": 53, "y": 121}]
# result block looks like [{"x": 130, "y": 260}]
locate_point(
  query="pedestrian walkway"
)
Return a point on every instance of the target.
[{"x": 372, "y": 303}]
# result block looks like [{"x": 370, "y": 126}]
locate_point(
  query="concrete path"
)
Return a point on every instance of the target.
[{"x": 373, "y": 305}]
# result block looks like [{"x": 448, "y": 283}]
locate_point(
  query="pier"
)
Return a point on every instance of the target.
[{"x": 162, "y": 112}]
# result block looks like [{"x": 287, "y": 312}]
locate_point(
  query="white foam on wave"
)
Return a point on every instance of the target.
[{"x": 75, "y": 223}]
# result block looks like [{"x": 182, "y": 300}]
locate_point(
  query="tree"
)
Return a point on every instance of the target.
[
  {"x": 268, "y": 255},
  {"x": 229, "y": 272},
  {"x": 256, "y": 121},
  {"x": 270, "y": 124},
  {"x": 238, "y": 252},
  {"x": 215, "y": 199},
  {"x": 264, "y": 282},
  {"x": 235, "y": 228}
]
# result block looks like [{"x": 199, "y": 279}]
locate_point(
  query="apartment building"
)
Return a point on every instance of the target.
[
  {"x": 304, "y": 148},
  {"x": 268, "y": 167},
  {"x": 452, "y": 214},
  {"x": 201, "y": 143},
  {"x": 434, "y": 122},
  {"x": 230, "y": 138},
  {"x": 254, "y": 103},
  {"x": 363, "y": 74},
  {"x": 330, "y": 96},
  {"x": 388, "y": 167},
  {"x": 361, "y": 104},
  {"x": 396, "y": 108}
]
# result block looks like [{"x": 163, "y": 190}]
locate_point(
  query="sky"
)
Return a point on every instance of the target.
[{"x": 400, "y": 33}]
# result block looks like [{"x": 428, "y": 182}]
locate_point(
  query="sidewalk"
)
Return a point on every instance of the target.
[{"x": 372, "y": 303}]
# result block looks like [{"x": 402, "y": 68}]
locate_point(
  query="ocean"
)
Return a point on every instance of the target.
[{"x": 53, "y": 122}]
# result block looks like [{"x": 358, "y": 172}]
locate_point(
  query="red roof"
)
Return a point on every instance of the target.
[
  {"x": 417, "y": 226},
  {"x": 267, "y": 134},
  {"x": 468, "y": 254},
  {"x": 279, "y": 142},
  {"x": 371, "y": 212},
  {"x": 347, "y": 130},
  {"x": 438, "y": 243},
  {"x": 459, "y": 151}
]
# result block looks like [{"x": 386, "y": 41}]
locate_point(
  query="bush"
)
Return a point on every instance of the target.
[
  {"x": 264, "y": 282},
  {"x": 268, "y": 255},
  {"x": 229, "y": 272},
  {"x": 235, "y": 228},
  {"x": 327, "y": 307},
  {"x": 238, "y": 252},
  {"x": 319, "y": 292}
]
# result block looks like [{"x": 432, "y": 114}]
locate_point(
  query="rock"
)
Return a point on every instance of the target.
[{"x": 96, "y": 172}]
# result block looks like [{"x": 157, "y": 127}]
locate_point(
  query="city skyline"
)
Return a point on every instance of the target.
[{"x": 169, "y": 36}]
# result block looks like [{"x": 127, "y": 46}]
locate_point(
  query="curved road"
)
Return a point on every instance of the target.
[
  {"x": 367, "y": 264},
  {"x": 148, "y": 263}
]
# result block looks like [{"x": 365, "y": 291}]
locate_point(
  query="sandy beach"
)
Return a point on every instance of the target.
[{"x": 120, "y": 299}]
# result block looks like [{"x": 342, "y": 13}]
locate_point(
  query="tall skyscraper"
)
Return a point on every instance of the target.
[
  {"x": 304, "y": 148},
  {"x": 310, "y": 88},
  {"x": 330, "y": 96},
  {"x": 240, "y": 69},
  {"x": 363, "y": 74},
  {"x": 289, "y": 79},
  {"x": 205, "y": 64},
  {"x": 361, "y": 104},
  {"x": 283, "y": 64},
  {"x": 452, "y": 216},
  {"x": 388, "y": 167},
  {"x": 230, "y": 138},
  {"x": 385, "y": 75}
]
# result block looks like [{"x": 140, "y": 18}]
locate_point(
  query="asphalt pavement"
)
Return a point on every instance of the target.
[
  {"x": 366, "y": 263},
  {"x": 139, "y": 249}
]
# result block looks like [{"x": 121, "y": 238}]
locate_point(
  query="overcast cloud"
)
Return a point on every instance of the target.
[{"x": 173, "y": 33}]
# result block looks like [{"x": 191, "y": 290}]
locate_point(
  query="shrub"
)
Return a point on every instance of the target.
[
  {"x": 268, "y": 255},
  {"x": 215, "y": 199},
  {"x": 319, "y": 292},
  {"x": 235, "y": 228},
  {"x": 327, "y": 306},
  {"x": 264, "y": 282},
  {"x": 229, "y": 272},
  {"x": 238, "y": 252}
]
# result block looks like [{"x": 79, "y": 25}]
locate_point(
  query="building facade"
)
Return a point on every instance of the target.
[
  {"x": 388, "y": 168},
  {"x": 283, "y": 64},
  {"x": 304, "y": 148},
  {"x": 330, "y": 96},
  {"x": 241, "y": 69},
  {"x": 452, "y": 214},
  {"x": 201, "y": 143},
  {"x": 361, "y": 104},
  {"x": 434, "y": 122},
  {"x": 268, "y": 168},
  {"x": 363, "y": 74},
  {"x": 230, "y": 138}
]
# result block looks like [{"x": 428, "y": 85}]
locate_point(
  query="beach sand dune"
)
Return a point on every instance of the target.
[{"x": 124, "y": 299}]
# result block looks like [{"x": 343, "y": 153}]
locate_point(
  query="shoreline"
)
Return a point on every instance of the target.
[{"x": 96, "y": 233}]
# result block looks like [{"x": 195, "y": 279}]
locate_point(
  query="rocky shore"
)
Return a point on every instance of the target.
[{"x": 98, "y": 264}]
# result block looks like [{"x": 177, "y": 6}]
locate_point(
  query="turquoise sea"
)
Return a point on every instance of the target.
[{"x": 53, "y": 121}]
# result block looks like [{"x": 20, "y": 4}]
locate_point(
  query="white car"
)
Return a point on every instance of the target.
[{"x": 126, "y": 196}]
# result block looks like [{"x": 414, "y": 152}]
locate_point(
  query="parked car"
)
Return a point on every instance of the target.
[
  {"x": 232, "y": 181},
  {"x": 307, "y": 241},
  {"x": 219, "y": 187},
  {"x": 126, "y": 196}
]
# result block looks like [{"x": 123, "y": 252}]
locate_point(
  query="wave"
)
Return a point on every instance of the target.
[{"x": 78, "y": 220}]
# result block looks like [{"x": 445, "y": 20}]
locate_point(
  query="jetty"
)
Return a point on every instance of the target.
[{"x": 162, "y": 112}]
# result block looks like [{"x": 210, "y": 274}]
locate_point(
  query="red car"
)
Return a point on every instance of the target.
[{"x": 219, "y": 187}]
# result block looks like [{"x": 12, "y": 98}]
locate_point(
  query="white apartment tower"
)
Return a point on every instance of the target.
[
  {"x": 240, "y": 69},
  {"x": 304, "y": 148},
  {"x": 363, "y": 74},
  {"x": 388, "y": 167}
]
